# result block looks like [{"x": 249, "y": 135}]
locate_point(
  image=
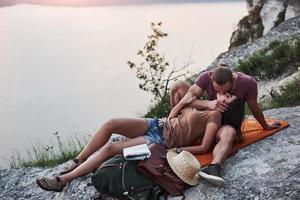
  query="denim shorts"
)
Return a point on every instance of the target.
[{"x": 154, "y": 134}]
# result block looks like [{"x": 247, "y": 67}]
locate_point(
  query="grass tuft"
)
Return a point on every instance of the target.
[{"x": 44, "y": 155}]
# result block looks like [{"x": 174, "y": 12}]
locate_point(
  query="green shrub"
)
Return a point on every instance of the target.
[
  {"x": 242, "y": 38},
  {"x": 293, "y": 53},
  {"x": 259, "y": 30},
  {"x": 287, "y": 95},
  {"x": 274, "y": 44},
  {"x": 272, "y": 61},
  {"x": 280, "y": 18},
  {"x": 160, "y": 109},
  {"x": 281, "y": 15}
]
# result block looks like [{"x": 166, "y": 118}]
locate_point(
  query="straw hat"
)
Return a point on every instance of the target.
[{"x": 185, "y": 166}]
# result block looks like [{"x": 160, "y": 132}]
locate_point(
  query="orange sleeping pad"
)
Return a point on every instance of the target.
[{"x": 251, "y": 131}]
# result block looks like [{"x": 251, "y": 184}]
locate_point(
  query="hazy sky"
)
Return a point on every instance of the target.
[{"x": 105, "y": 2}]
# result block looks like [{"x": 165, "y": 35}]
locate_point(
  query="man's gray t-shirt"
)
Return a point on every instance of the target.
[{"x": 245, "y": 86}]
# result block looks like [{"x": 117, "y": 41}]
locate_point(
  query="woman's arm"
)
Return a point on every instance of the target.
[
  {"x": 204, "y": 146},
  {"x": 196, "y": 149},
  {"x": 207, "y": 141},
  {"x": 188, "y": 98}
]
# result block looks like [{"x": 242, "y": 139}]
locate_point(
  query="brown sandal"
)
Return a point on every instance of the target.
[
  {"x": 72, "y": 164},
  {"x": 50, "y": 185}
]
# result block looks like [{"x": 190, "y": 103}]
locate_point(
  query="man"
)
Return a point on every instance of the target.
[{"x": 221, "y": 80}]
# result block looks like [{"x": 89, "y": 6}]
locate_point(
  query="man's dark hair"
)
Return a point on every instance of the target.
[
  {"x": 234, "y": 115},
  {"x": 222, "y": 74}
]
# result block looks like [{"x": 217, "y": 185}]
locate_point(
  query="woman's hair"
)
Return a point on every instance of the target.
[
  {"x": 234, "y": 115},
  {"x": 222, "y": 75}
]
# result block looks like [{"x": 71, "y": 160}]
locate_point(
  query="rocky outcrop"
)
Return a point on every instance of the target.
[
  {"x": 263, "y": 16},
  {"x": 272, "y": 14},
  {"x": 250, "y": 27},
  {"x": 286, "y": 30},
  {"x": 293, "y": 9},
  {"x": 268, "y": 169}
]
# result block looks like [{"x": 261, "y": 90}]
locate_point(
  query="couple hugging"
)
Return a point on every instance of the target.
[{"x": 193, "y": 125}]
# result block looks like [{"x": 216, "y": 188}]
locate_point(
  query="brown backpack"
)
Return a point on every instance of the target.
[{"x": 157, "y": 169}]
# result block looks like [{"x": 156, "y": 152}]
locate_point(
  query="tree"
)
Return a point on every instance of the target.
[{"x": 153, "y": 70}]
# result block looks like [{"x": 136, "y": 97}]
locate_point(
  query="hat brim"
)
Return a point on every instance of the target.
[{"x": 191, "y": 181}]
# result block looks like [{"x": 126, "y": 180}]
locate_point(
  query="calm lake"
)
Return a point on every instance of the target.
[{"x": 64, "y": 68}]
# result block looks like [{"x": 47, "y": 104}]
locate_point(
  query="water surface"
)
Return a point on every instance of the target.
[{"x": 64, "y": 68}]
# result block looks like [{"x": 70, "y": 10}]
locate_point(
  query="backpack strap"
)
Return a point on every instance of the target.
[
  {"x": 110, "y": 165},
  {"x": 131, "y": 190},
  {"x": 105, "y": 165}
]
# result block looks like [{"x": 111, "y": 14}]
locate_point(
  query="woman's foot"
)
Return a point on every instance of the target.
[
  {"x": 71, "y": 165},
  {"x": 50, "y": 184}
]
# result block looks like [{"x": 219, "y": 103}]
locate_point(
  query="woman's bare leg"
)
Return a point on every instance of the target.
[
  {"x": 177, "y": 92},
  {"x": 130, "y": 128},
  {"x": 96, "y": 160}
]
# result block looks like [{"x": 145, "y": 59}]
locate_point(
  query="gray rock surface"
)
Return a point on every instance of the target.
[
  {"x": 269, "y": 13},
  {"x": 268, "y": 169},
  {"x": 293, "y": 9}
]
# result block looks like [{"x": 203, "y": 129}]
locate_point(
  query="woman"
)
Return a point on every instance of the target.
[
  {"x": 185, "y": 126},
  {"x": 234, "y": 114}
]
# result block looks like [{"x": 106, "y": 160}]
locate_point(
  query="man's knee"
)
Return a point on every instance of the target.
[
  {"x": 179, "y": 87},
  {"x": 227, "y": 134}
]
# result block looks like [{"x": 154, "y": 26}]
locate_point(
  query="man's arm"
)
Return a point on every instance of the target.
[
  {"x": 205, "y": 104},
  {"x": 259, "y": 116},
  {"x": 197, "y": 92}
]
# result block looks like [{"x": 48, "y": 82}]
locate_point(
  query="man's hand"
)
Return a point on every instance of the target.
[
  {"x": 217, "y": 105},
  {"x": 273, "y": 125}
]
